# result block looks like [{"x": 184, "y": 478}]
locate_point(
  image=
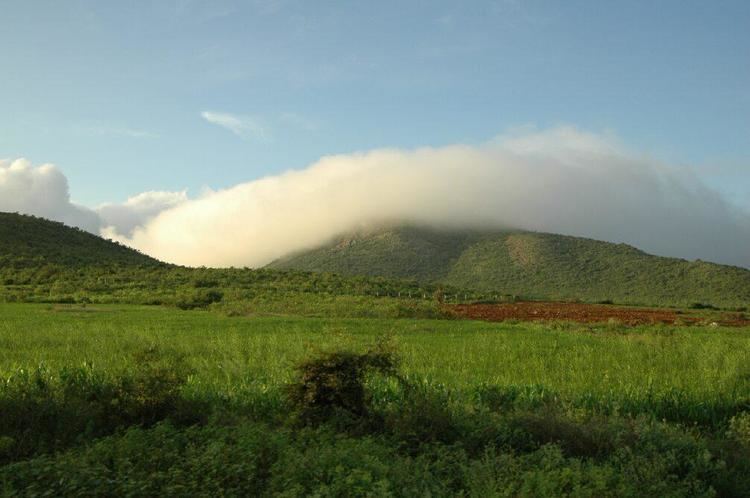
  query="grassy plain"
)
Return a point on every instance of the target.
[
  {"x": 232, "y": 354},
  {"x": 503, "y": 409}
]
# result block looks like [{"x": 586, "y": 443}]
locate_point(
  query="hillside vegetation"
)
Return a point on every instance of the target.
[
  {"x": 45, "y": 261},
  {"x": 28, "y": 241},
  {"x": 48, "y": 262},
  {"x": 528, "y": 264}
]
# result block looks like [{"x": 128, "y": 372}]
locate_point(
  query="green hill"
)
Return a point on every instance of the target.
[
  {"x": 30, "y": 242},
  {"x": 47, "y": 262},
  {"x": 527, "y": 264}
]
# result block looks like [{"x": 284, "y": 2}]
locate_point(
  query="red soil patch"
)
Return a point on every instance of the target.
[{"x": 583, "y": 313}]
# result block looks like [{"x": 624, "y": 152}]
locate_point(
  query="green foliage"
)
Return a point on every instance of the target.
[
  {"x": 255, "y": 458},
  {"x": 31, "y": 242},
  {"x": 207, "y": 404},
  {"x": 739, "y": 428},
  {"x": 196, "y": 404},
  {"x": 200, "y": 298},
  {"x": 528, "y": 264},
  {"x": 42, "y": 410},
  {"x": 47, "y": 262},
  {"x": 333, "y": 384}
]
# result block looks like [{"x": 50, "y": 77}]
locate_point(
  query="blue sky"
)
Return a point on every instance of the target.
[{"x": 117, "y": 94}]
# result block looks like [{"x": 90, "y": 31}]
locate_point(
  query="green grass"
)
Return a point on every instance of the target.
[
  {"x": 569, "y": 359},
  {"x": 104, "y": 394},
  {"x": 512, "y": 409}
]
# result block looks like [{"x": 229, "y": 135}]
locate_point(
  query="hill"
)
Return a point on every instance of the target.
[
  {"x": 47, "y": 262},
  {"x": 537, "y": 265},
  {"x": 29, "y": 242}
]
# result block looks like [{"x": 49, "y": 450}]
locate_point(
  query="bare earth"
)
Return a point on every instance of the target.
[{"x": 588, "y": 313}]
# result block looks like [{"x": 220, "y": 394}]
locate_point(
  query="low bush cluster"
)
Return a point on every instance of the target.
[{"x": 43, "y": 411}]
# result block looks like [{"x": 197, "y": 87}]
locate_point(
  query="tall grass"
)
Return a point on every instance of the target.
[
  {"x": 692, "y": 374},
  {"x": 109, "y": 400}
]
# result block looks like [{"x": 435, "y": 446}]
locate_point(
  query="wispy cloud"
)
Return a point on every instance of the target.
[
  {"x": 245, "y": 127},
  {"x": 261, "y": 127}
]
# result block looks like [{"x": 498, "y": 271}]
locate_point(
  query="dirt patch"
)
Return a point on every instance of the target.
[
  {"x": 522, "y": 249},
  {"x": 584, "y": 313}
]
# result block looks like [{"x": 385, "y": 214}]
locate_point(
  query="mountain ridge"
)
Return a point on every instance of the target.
[
  {"x": 30, "y": 241},
  {"x": 530, "y": 264},
  {"x": 527, "y": 264}
]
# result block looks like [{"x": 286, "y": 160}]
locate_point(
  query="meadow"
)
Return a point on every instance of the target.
[{"x": 202, "y": 404}]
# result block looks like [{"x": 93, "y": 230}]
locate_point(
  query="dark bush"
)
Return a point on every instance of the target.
[
  {"x": 203, "y": 283},
  {"x": 333, "y": 384},
  {"x": 423, "y": 416},
  {"x": 42, "y": 411},
  {"x": 702, "y": 306},
  {"x": 594, "y": 437},
  {"x": 200, "y": 298}
]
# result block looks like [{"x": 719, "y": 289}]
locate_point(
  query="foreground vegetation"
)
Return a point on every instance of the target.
[{"x": 150, "y": 400}]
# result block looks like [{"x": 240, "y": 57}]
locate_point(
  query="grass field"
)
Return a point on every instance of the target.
[
  {"x": 490, "y": 408},
  {"x": 232, "y": 354}
]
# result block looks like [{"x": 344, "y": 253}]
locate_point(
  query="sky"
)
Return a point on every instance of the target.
[{"x": 143, "y": 107}]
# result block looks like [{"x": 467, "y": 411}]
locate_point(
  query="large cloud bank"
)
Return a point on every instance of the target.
[
  {"x": 562, "y": 180},
  {"x": 123, "y": 219}
]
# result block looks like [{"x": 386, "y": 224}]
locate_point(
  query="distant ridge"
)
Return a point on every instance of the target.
[
  {"x": 539, "y": 265},
  {"x": 527, "y": 264},
  {"x": 28, "y": 241}
]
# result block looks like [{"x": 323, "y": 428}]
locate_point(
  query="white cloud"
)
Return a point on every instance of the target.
[
  {"x": 244, "y": 127},
  {"x": 41, "y": 191},
  {"x": 121, "y": 219},
  {"x": 562, "y": 181}
]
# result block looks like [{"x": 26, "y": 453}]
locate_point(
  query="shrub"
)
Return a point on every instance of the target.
[
  {"x": 423, "y": 415},
  {"x": 42, "y": 411},
  {"x": 199, "y": 298},
  {"x": 593, "y": 437},
  {"x": 203, "y": 282},
  {"x": 333, "y": 384},
  {"x": 702, "y": 306},
  {"x": 739, "y": 428}
]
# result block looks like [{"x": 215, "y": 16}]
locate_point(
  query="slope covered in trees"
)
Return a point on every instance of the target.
[
  {"x": 528, "y": 264},
  {"x": 28, "y": 241}
]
